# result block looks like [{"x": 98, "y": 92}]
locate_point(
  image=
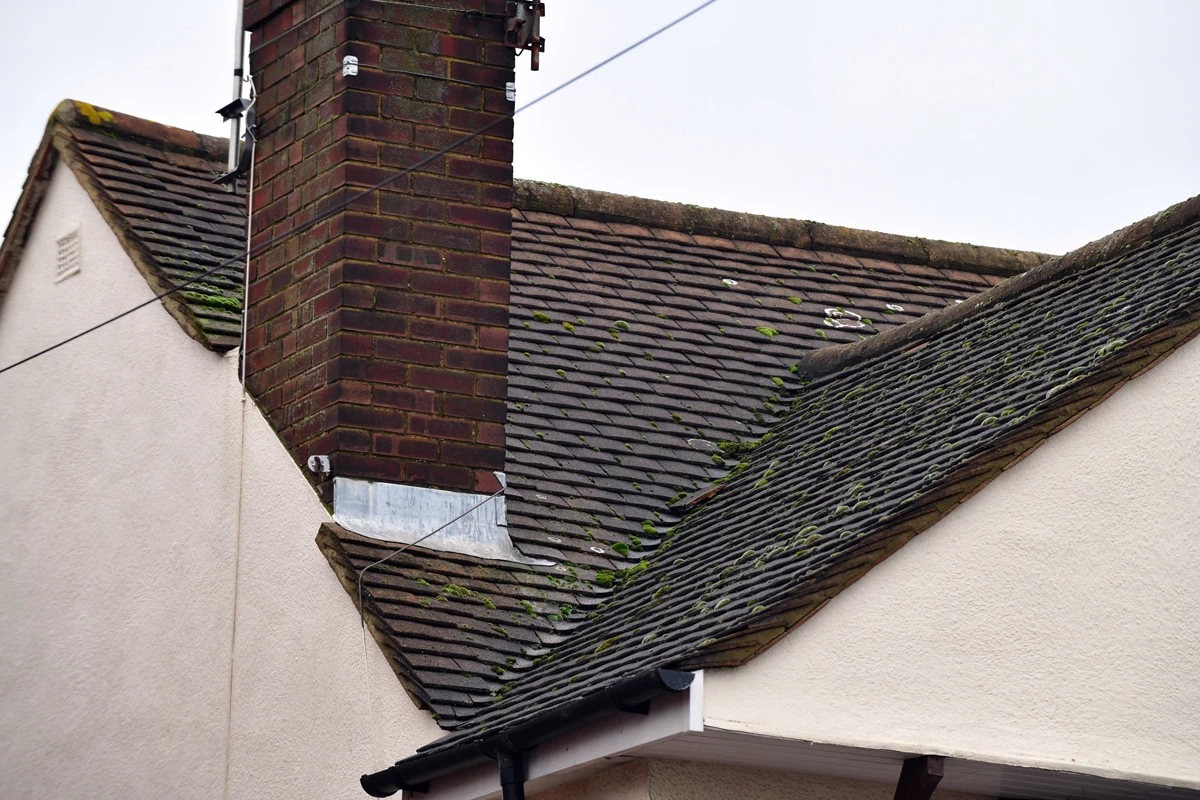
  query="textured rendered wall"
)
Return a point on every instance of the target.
[
  {"x": 118, "y": 534},
  {"x": 656, "y": 779},
  {"x": 628, "y": 781},
  {"x": 1050, "y": 620},
  {"x": 116, "y": 569}
]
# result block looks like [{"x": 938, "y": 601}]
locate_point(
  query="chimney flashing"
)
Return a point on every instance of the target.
[{"x": 394, "y": 512}]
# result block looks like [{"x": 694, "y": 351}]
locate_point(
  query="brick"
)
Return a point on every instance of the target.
[
  {"x": 361, "y": 103},
  {"x": 406, "y": 303},
  {"x": 354, "y": 344},
  {"x": 440, "y": 139},
  {"x": 377, "y": 332},
  {"x": 407, "y": 399},
  {"x": 479, "y": 170},
  {"x": 447, "y": 477},
  {"x": 490, "y": 433},
  {"x": 442, "y": 380},
  {"x": 375, "y": 32},
  {"x": 411, "y": 158},
  {"x": 448, "y": 188},
  {"x": 369, "y": 370},
  {"x": 423, "y": 449},
  {"x": 381, "y": 130},
  {"x": 496, "y": 244},
  {"x": 366, "y": 466},
  {"x": 356, "y": 295},
  {"x": 442, "y": 236},
  {"x": 453, "y": 46},
  {"x": 354, "y": 392},
  {"x": 470, "y": 311},
  {"x": 354, "y": 440},
  {"x": 410, "y": 255},
  {"x": 380, "y": 227},
  {"x": 482, "y": 265},
  {"x": 374, "y": 322},
  {"x": 408, "y": 110},
  {"x": 485, "y": 483},
  {"x": 419, "y": 208},
  {"x": 450, "y": 94},
  {"x": 495, "y": 77},
  {"x": 441, "y": 284},
  {"x": 408, "y": 352},
  {"x": 494, "y": 292},
  {"x": 378, "y": 275},
  {"x": 477, "y": 360},
  {"x": 498, "y": 196},
  {"x": 498, "y": 150},
  {"x": 371, "y": 418},
  {"x": 494, "y": 339},
  {"x": 383, "y": 444},
  {"x": 478, "y": 408},
  {"x": 491, "y": 386},
  {"x": 440, "y": 428},
  {"x": 473, "y": 455},
  {"x": 478, "y": 217}
]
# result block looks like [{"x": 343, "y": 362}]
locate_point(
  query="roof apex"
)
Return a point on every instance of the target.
[
  {"x": 81, "y": 115},
  {"x": 571, "y": 201}
]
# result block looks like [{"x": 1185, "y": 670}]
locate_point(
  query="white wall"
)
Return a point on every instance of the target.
[
  {"x": 1053, "y": 619},
  {"x": 660, "y": 779},
  {"x": 118, "y": 539}
]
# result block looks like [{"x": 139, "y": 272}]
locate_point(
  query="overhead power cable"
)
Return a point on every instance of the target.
[{"x": 367, "y": 191}]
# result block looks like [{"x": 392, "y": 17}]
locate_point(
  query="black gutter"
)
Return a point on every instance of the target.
[{"x": 508, "y": 745}]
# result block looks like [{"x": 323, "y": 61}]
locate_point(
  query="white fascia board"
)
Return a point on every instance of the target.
[{"x": 585, "y": 750}]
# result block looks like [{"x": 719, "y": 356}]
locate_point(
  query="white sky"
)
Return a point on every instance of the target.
[{"x": 1037, "y": 125}]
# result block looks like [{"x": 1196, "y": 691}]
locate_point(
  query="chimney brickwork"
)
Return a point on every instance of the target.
[{"x": 379, "y": 337}]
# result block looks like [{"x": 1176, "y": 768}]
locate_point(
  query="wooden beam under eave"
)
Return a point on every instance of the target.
[{"x": 919, "y": 777}]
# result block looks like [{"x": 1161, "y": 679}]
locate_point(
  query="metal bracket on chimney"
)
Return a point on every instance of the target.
[
  {"x": 247, "y": 144},
  {"x": 524, "y": 30}
]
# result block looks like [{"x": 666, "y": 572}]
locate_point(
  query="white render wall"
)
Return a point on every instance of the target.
[
  {"x": 119, "y": 529},
  {"x": 1051, "y": 620},
  {"x": 662, "y": 779}
]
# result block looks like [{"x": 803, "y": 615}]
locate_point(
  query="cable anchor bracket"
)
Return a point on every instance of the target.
[{"x": 524, "y": 29}]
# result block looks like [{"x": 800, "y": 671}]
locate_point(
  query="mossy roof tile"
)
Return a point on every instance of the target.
[{"x": 673, "y": 294}]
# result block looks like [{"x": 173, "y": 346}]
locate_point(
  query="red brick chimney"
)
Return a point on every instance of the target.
[{"x": 380, "y": 336}]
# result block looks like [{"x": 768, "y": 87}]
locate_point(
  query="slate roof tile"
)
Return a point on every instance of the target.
[
  {"x": 709, "y": 375},
  {"x": 153, "y": 185},
  {"x": 681, "y": 362},
  {"x": 888, "y": 437}
]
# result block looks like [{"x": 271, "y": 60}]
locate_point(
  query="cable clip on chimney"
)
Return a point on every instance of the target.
[
  {"x": 233, "y": 112},
  {"x": 349, "y": 66},
  {"x": 524, "y": 31}
]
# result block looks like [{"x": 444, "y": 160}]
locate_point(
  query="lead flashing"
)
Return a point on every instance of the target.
[{"x": 393, "y": 512}]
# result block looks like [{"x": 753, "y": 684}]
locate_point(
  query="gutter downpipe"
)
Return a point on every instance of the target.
[
  {"x": 512, "y": 776},
  {"x": 509, "y": 745}
]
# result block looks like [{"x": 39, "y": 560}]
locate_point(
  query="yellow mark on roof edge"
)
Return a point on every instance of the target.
[{"x": 94, "y": 116}]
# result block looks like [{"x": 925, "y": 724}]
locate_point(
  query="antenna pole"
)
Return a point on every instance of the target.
[{"x": 239, "y": 44}]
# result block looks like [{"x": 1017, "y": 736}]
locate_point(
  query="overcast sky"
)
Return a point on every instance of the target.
[{"x": 1038, "y": 125}]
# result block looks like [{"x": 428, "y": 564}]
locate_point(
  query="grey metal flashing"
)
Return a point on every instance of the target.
[{"x": 393, "y": 512}]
